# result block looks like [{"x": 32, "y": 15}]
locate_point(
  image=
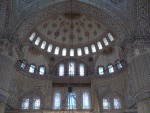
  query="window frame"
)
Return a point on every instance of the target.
[
  {"x": 89, "y": 99},
  {"x": 75, "y": 101},
  {"x": 109, "y": 71},
  {"x": 54, "y": 95},
  {"x": 100, "y": 66},
  {"x": 40, "y": 71},
  {"x": 116, "y": 63},
  {"x": 32, "y": 68}
]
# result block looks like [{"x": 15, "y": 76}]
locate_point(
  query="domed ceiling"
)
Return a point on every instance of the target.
[{"x": 71, "y": 29}]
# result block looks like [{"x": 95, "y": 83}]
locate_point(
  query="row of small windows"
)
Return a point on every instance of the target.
[
  {"x": 72, "y": 68},
  {"x": 28, "y": 103},
  {"x": 35, "y": 103},
  {"x": 32, "y": 68},
  {"x": 114, "y": 103},
  {"x": 110, "y": 68},
  {"x": 72, "y": 51},
  {"x": 107, "y": 102}
]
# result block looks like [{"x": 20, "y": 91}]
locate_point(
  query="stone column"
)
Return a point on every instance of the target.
[
  {"x": 144, "y": 106},
  {"x": 139, "y": 78},
  {"x": 2, "y": 107},
  {"x": 6, "y": 74}
]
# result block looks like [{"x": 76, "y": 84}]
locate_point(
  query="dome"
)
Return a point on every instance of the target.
[{"x": 71, "y": 30}]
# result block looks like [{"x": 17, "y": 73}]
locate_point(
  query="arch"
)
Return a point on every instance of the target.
[
  {"x": 111, "y": 95},
  {"x": 32, "y": 96}
]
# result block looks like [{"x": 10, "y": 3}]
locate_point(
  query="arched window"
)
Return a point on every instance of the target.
[
  {"x": 86, "y": 50},
  {"x": 79, "y": 52},
  {"x": 57, "y": 100},
  {"x": 111, "y": 38},
  {"x": 49, "y": 48},
  {"x": 110, "y": 68},
  {"x": 93, "y": 48},
  {"x": 25, "y": 103},
  {"x": 117, "y": 103},
  {"x": 64, "y": 52},
  {"x": 118, "y": 64},
  {"x": 56, "y": 51},
  {"x": 61, "y": 70},
  {"x": 100, "y": 70},
  {"x": 81, "y": 70},
  {"x": 32, "y": 68},
  {"x": 23, "y": 64},
  {"x": 42, "y": 70},
  {"x": 71, "y": 52},
  {"x": 37, "y": 41},
  {"x": 43, "y": 45},
  {"x": 105, "y": 41},
  {"x": 32, "y": 37},
  {"x": 86, "y": 100},
  {"x": 36, "y": 103},
  {"x": 72, "y": 100},
  {"x": 99, "y": 45},
  {"x": 106, "y": 103},
  {"x": 71, "y": 68}
]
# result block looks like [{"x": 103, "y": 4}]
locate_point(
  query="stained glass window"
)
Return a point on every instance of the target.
[
  {"x": 119, "y": 65},
  {"x": 93, "y": 48},
  {"x": 72, "y": 101},
  {"x": 32, "y": 37},
  {"x": 99, "y": 45},
  {"x": 110, "y": 68},
  {"x": 117, "y": 103},
  {"x": 37, "y": 41},
  {"x": 71, "y": 68},
  {"x": 36, "y": 103},
  {"x": 86, "y": 100},
  {"x": 79, "y": 51},
  {"x": 61, "y": 70},
  {"x": 86, "y": 50},
  {"x": 32, "y": 68},
  {"x": 25, "y": 103},
  {"x": 105, "y": 41},
  {"x": 111, "y": 38},
  {"x": 43, "y": 45},
  {"x": 101, "y": 70},
  {"x": 57, "y": 100},
  {"x": 64, "y": 52},
  {"x": 23, "y": 64},
  {"x": 49, "y": 48},
  {"x": 106, "y": 103},
  {"x": 81, "y": 69},
  {"x": 42, "y": 70}
]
